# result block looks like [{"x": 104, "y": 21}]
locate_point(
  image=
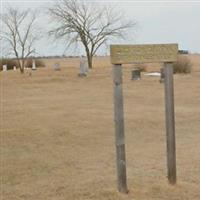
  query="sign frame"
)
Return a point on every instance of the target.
[{"x": 119, "y": 57}]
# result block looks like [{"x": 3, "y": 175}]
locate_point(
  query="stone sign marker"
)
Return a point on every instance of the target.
[{"x": 125, "y": 54}]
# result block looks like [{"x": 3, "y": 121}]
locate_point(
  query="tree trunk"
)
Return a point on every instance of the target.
[
  {"x": 90, "y": 61},
  {"x": 22, "y": 70},
  {"x": 21, "y": 66},
  {"x": 89, "y": 58}
]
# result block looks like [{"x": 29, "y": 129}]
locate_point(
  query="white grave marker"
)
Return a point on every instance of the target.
[
  {"x": 83, "y": 66},
  {"x": 56, "y": 66},
  {"x": 33, "y": 65},
  {"x": 4, "y": 68}
]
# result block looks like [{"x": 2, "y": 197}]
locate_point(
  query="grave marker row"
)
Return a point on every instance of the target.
[{"x": 5, "y": 68}]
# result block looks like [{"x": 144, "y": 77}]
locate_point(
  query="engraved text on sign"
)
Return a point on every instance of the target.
[{"x": 124, "y": 54}]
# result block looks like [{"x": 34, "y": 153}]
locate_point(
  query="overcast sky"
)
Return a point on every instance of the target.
[{"x": 157, "y": 22}]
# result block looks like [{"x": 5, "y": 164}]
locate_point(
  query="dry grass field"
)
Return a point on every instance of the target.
[{"x": 57, "y": 135}]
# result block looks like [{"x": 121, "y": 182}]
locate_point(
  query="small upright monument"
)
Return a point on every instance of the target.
[
  {"x": 83, "y": 66},
  {"x": 33, "y": 65},
  {"x": 56, "y": 66},
  {"x": 162, "y": 76},
  {"x": 136, "y": 74},
  {"x": 4, "y": 68}
]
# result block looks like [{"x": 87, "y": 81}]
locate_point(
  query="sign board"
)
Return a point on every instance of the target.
[{"x": 125, "y": 54}]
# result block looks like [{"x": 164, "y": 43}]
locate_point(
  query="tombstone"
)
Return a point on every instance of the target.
[
  {"x": 136, "y": 74},
  {"x": 56, "y": 66},
  {"x": 83, "y": 67},
  {"x": 14, "y": 68},
  {"x": 162, "y": 75},
  {"x": 4, "y": 68},
  {"x": 33, "y": 65}
]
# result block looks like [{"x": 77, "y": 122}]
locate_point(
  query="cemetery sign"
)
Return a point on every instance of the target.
[{"x": 125, "y": 54}]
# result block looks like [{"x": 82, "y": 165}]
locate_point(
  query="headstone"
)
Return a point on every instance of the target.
[
  {"x": 14, "y": 68},
  {"x": 162, "y": 75},
  {"x": 33, "y": 65},
  {"x": 56, "y": 66},
  {"x": 83, "y": 67},
  {"x": 136, "y": 74},
  {"x": 4, "y": 68}
]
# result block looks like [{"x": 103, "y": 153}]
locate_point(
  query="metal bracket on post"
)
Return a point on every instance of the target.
[
  {"x": 170, "y": 122},
  {"x": 119, "y": 129}
]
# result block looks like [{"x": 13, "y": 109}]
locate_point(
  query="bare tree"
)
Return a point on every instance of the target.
[
  {"x": 18, "y": 34},
  {"x": 88, "y": 23}
]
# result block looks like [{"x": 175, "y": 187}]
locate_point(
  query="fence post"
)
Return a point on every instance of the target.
[
  {"x": 170, "y": 122},
  {"x": 119, "y": 129}
]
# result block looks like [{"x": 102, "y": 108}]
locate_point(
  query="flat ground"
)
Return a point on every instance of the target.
[{"x": 57, "y": 135}]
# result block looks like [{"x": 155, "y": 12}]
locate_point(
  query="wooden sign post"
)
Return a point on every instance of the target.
[
  {"x": 125, "y": 54},
  {"x": 119, "y": 129},
  {"x": 170, "y": 122}
]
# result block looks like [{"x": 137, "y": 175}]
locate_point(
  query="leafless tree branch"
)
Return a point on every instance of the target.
[
  {"x": 18, "y": 33},
  {"x": 92, "y": 25}
]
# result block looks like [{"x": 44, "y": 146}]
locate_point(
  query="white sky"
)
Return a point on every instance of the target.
[{"x": 157, "y": 22}]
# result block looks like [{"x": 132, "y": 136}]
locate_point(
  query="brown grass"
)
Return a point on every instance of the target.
[
  {"x": 183, "y": 65},
  {"x": 57, "y": 136}
]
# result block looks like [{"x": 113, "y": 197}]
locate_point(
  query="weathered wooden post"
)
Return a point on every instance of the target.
[
  {"x": 170, "y": 122},
  {"x": 119, "y": 129}
]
